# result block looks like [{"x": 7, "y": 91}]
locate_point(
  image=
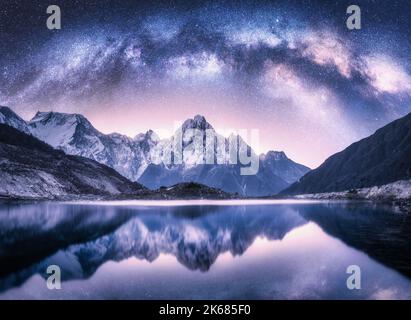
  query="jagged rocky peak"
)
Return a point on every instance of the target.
[
  {"x": 275, "y": 155},
  {"x": 5, "y": 110},
  {"x": 9, "y": 117},
  {"x": 58, "y": 129},
  {"x": 199, "y": 122},
  {"x": 133, "y": 157},
  {"x": 150, "y": 135},
  {"x": 59, "y": 118},
  {"x": 380, "y": 159}
]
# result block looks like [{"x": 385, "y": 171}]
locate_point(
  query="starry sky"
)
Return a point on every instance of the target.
[{"x": 290, "y": 69}]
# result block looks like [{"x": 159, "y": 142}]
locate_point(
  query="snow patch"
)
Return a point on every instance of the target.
[{"x": 396, "y": 190}]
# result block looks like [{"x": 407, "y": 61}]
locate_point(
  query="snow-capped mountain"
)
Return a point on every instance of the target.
[
  {"x": 225, "y": 175},
  {"x": 30, "y": 168},
  {"x": 141, "y": 158},
  {"x": 7, "y": 116},
  {"x": 75, "y": 135}
]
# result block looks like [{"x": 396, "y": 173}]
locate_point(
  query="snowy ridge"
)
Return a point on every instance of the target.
[
  {"x": 8, "y": 117},
  {"x": 399, "y": 190},
  {"x": 223, "y": 174},
  {"x": 137, "y": 158},
  {"x": 56, "y": 128},
  {"x": 32, "y": 169},
  {"x": 75, "y": 135}
]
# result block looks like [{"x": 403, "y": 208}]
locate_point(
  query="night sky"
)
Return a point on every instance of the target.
[{"x": 291, "y": 69}]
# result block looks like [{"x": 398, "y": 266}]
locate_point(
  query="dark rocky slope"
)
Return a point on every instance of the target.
[
  {"x": 382, "y": 158},
  {"x": 29, "y": 168}
]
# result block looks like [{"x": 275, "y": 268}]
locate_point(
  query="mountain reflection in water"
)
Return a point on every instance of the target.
[{"x": 82, "y": 239}]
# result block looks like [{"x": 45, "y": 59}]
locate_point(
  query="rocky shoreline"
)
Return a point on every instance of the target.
[
  {"x": 182, "y": 191},
  {"x": 397, "y": 194}
]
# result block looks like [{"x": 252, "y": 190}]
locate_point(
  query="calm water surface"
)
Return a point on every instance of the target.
[{"x": 228, "y": 250}]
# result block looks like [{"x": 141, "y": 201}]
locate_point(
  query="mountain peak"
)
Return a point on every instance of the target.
[
  {"x": 60, "y": 119},
  {"x": 199, "y": 118},
  {"x": 150, "y": 135},
  {"x": 382, "y": 158},
  {"x": 41, "y": 115},
  {"x": 275, "y": 155},
  {"x": 10, "y": 118},
  {"x": 5, "y": 109},
  {"x": 199, "y": 122},
  {"x": 58, "y": 129}
]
